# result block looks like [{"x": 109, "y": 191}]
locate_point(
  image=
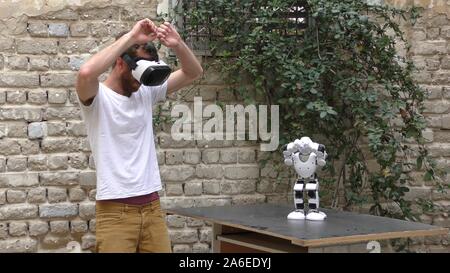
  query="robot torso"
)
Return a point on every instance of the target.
[{"x": 305, "y": 169}]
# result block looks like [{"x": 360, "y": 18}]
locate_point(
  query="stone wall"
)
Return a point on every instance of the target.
[
  {"x": 47, "y": 175},
  {"x": 430, "y": 40}
]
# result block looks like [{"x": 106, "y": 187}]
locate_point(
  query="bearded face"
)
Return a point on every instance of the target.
[{"x": 128, "y": 82}]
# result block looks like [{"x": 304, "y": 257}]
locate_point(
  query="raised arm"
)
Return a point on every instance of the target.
[
  {"x": 190, "y": 67},
  {"x": 87, "y": 79}
]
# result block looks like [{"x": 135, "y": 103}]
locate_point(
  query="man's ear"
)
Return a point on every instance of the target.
[{"x": 121, "y": 64}]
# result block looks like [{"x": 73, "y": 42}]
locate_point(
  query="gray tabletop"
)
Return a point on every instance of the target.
[{"x": 338, "y": 228}]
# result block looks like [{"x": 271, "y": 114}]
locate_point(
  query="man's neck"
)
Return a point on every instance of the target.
[{"x": 113, "y": 83}]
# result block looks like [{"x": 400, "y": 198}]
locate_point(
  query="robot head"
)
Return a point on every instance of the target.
[{"x": 304, "y": 145}]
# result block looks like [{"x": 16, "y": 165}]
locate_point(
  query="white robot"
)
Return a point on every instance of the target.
[{"x": 305, "y": 155}]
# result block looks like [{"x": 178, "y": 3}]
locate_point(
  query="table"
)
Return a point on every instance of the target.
[{"x": 265, "y": 228}]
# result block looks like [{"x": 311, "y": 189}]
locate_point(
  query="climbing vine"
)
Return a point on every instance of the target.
[{"x": 343, "y": 74}]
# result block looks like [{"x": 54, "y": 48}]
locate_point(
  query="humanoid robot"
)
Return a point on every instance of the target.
[{"x": 305, "y": 155}]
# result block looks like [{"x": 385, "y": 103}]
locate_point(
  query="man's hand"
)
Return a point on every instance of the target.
[
  {"x": 190, "y": 67},
  {"x": 144, "y": 31},
  {"x": 168, "y": 36}
]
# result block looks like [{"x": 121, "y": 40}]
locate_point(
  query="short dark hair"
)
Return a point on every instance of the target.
[{"x": 131, "y": 51}]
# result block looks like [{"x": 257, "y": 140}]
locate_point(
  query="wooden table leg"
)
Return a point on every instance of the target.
[{"x": 216, "y": 230}]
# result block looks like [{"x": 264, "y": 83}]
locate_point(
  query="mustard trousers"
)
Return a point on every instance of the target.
[{"x": 131, "y": 228}]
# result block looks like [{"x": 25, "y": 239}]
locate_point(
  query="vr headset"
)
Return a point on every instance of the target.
[{"x": 148, "y": 72}]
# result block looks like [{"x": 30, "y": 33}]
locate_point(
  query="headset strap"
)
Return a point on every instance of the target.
[{"x": 130, "y": 61}]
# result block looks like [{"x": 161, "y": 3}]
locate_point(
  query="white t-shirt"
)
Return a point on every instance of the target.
[{"x": 120, "y": 133}]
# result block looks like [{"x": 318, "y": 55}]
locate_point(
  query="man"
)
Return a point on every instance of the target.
[{"x": 118, "y": 116}]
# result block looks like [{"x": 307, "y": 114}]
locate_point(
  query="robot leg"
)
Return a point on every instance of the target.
[
  {"x": 314, "y": 214},
  {"x": 299, "y": 213}
]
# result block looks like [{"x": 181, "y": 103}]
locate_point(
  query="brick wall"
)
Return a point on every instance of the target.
[{"x": 47, "y": 175}]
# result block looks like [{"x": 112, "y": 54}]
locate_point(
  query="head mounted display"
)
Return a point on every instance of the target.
[{"x": 148, "y": 72}]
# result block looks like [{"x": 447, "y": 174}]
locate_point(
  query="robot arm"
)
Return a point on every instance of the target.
[
  {"x": 321, "y": 155},
  {"x": 288, "y": 152},
  {"x": 305, "y": 146}
]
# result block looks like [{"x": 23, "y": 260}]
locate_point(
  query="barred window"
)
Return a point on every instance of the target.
[{"x": 199, "y": 35}]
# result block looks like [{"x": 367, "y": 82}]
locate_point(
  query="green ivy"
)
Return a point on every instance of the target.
[{"x": 340, "y": 79}]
